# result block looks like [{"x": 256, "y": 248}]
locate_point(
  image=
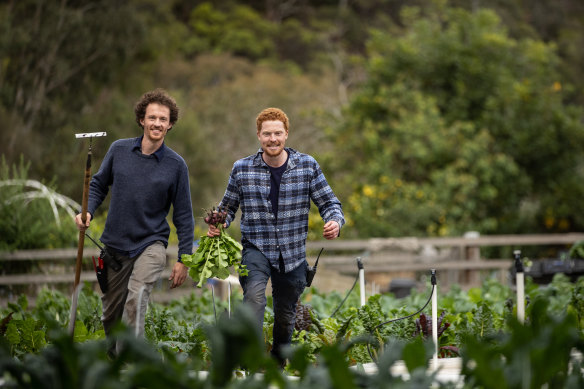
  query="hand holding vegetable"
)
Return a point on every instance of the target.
[
  {"x": 216, "y": 252},
  {"x": 213, "y": 221}
]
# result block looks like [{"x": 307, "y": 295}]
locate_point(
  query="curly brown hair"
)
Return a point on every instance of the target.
[
  {"x": 158, "y": 96},
  {"x": 272, "y": 114}
]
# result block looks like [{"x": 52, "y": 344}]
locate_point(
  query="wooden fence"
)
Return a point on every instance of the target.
[{"x": 456, "y": 259}]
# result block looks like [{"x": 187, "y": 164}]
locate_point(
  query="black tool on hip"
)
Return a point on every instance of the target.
[{"x": 108, "y": 258}]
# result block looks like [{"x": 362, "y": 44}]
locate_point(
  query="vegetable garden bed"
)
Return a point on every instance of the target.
[{"x": 195, "y": 334}]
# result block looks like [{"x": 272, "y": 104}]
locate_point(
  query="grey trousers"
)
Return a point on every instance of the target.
[{"x": 129, "y": 288}]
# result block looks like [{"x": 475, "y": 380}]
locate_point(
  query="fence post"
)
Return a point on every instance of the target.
[{"x": 472, "y": 253}]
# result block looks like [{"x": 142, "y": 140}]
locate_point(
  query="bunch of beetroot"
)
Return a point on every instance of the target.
[
  {"x": 215, "y": 255},
  {"x": 216, "y": 217}
]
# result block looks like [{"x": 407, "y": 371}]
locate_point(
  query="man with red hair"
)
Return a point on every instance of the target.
[{"x": 273, "y": 188}]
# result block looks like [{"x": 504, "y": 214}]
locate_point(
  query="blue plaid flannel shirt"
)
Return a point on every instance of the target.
[{"x": 303, "y": 180}]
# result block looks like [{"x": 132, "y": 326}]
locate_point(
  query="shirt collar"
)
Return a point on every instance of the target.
[
  {"x": 158, "y": 154},
  {"x": 259, "y": 161}
]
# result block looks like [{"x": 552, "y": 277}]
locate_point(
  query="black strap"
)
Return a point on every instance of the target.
[{"x": 97, "y": 244}]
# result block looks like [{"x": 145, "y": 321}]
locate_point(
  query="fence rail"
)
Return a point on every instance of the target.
[
  {"x": 474, "y": 241},
  {"x": 379, "y": 255}
]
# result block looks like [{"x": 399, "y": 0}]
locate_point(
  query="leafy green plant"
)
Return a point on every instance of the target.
[
  {"x": 558, "y": 293},
  {"x": 577, "y": 250},
  {"x": 55, "y": 305},
  {"x": 215, "y": 255},
  {"x": 32, "y": 214},
  {"x": 26, "y": 335},
  {"x": 576, "y": 305},
  {"x": 537, "y": 354},
  {"x": 182, "y": 336},
  {"x": 70, "y": 364}
]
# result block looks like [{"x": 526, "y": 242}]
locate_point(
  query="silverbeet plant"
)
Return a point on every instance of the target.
[{"x": 215, "y": 255}]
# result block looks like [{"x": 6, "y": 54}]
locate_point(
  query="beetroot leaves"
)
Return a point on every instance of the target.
[{"x": 215, "y": 255}]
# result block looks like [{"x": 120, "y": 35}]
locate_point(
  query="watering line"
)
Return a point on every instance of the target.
[
  {"x": 360, "y": 266},
  {"x": 434, "y": 319}
]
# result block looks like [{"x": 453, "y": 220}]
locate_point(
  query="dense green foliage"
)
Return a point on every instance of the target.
[
  {"x": 459, "y": 127},
  {"x": 32, "y": 215},
  {"x": 463, "y": 115},
  {"x": 191, "y": 334}
]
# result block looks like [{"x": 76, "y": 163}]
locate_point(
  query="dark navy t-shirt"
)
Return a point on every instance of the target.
[{"x": 275, "y": 179}]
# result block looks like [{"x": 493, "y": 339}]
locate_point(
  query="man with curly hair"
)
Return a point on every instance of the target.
[
  {"x": 274, "y": 188},
  {"x": 146, "y": 177}
]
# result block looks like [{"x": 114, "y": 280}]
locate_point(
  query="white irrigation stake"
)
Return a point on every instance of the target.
[
  {"x": 139, "y": 311},
  {"x": 435, "y": 320},
  {"x": 520, "y": 284},
  {"x": 361, "y": 280}
]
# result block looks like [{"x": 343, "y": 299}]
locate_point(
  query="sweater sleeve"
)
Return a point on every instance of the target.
[
  {"x": 323, "y": 197},
  {"x": 182, "y": 215},
  {"x": 100, "y": 182}
]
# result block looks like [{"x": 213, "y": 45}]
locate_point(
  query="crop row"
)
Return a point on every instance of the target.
[{"x": 198, "y": 333}]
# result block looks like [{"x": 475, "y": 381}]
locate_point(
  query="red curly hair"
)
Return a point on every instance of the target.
[{"x": 272, "y": 114}]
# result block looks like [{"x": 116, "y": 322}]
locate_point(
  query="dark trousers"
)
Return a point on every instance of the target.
[{"x": 286, "y": 290}]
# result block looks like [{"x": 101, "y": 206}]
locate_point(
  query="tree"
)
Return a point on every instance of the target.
[
  {"x": 55, "y": 58},
  {"x": 460, "y": 127},
  {"x": 239, "y": 30}
]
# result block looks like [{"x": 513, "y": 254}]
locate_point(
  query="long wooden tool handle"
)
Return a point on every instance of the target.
[{"x": 83, "y": 219}]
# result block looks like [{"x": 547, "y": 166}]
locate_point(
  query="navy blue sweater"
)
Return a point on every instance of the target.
[{"x": 143, "y": 187}]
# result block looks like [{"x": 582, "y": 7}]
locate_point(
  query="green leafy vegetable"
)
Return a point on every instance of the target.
[{"x": 215, "y": 255}]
